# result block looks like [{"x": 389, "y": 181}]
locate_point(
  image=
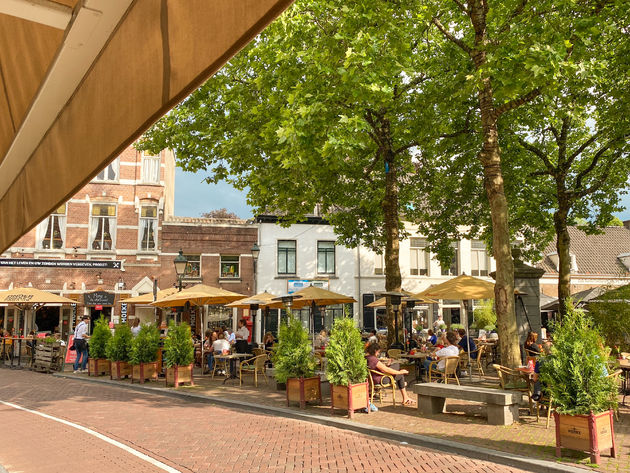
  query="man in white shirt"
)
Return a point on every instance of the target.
[
  {"x": 242, "y": 334},
  {"x": 451, "y": 349},
  {"x": 80, "y": 345}
]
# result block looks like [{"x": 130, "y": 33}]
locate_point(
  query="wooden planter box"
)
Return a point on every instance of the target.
[
  {"x": 350, "y": 398},
  {"x": 176, "y": 375},
  {"x": 588, "y": 433},
  {"x": 98, "y": 366},
  {"x": 144, "y": 371},
  {"x": 303, "y": 390},
  {"x": 120, "y": 370}
]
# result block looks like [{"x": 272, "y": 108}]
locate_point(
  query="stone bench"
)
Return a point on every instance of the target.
[{"x": 502, "y": 405}]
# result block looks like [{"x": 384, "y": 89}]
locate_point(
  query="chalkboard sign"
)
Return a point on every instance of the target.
[{"x": 98, "y": 298}]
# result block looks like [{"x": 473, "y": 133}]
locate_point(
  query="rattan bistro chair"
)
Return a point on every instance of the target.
[
  {"x": 394, "y": 353},
  {"x": 253, "y": 366},
  {"x": 450, "y": 370},
  {"x": 615, "y": 375},
  {"x": 220, "y": 364},
  {"x": 377, "y": 388}
]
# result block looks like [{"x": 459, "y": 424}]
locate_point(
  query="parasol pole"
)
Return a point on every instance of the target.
[{"x": 465, "y": 303}]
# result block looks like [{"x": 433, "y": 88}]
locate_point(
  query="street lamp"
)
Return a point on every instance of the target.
[
  {"x": 253, "y": 310},
  {"x": 180, "y": 263},
  {"x": 394, "y": 299},
  {"x": 255, "y": 252},
  {"x": 411, "y": 303}
]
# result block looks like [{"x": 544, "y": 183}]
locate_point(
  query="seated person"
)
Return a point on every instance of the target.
[
  {"x": 372, "y": 338},
  {"x": 531, "y": 347},
  {"x": 220, "y": 345},
  {"x": 441, "y": 341},
  {"x": 207, "y": 348},
  {"x": 451, "y": 349},
  {"x": 321, "y": 340},
  {"x": 466, "y": 342},
  {"x": 413, "y": 342},
  {"x": 269, "y": 341},
  {"x": 373, "y": 350},
  {"x": 432, "y": 337}
]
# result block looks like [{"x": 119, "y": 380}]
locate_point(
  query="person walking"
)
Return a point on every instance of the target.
[{"x": 80, "y": 345}]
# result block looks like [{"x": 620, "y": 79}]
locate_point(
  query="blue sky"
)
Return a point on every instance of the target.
[{"x": 193, "y": 197}]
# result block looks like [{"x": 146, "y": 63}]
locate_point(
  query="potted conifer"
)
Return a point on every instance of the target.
[
  {"x": 346, "y": 368},
  {"x": 179, "y": 355},
  {"x": 144, "y": 354},
  {"x": 295, "y": 364},
  {"x": 118, "y": 351},
  {"x": 98, "y": 364},
  {"x": 575, "y": 376}
]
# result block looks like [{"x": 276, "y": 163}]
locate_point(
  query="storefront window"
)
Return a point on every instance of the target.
[{"x": 229, "y": 266}]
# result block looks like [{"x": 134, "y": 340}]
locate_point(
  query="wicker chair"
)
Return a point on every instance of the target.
[
  {"x": 394, "y": 353},
  {"x": 258, "y": 351},
  {"x": 615, "y": 375},
  {"x": 475, "y": 362},
  {"x": 503, "y": 372},
  {"x": 253, "y": 366},
  {"x": 377, "y": 388},
  {"x": 547, "y": 402},
  {"x": 450, "y": 370},
  {"x": 220, "y": 364}
]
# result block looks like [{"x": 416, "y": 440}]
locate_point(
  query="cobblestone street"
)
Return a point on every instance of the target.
[{"x": 184, "y": 435}]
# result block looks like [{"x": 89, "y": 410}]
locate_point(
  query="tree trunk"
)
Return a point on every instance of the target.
[
  {"x": 490, "y": 157},
  {"x": 392, "y": 244},
  {"x": 563, "y": 247}
]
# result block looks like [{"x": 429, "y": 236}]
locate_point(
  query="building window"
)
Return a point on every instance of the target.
[
  {"x": 110, "y": 173},
  {"x": 326, "y": 257},
  {"x": 480, "y": 263},
  {"x": 229, "y": 266},
  {"x": 54, "y": 230},
  {"x": 379, "y": 264},
  {"x": 286, "y": 257},
  {"x": 148, "y": 228},
  {"x": 419, "y": 262},
  {"x": 193, "y": 267},
  {"x": 453, "y": 269},
  {"x": 150, "y": 168},
  {"x": 103, "y": 227}
]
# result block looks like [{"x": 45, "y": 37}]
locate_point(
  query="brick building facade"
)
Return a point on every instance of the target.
[{"x": 113, "y": 239}]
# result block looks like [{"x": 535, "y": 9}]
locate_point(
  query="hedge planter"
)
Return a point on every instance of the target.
[
  {"x": 120, "y": 370},
  {"x": 98, "y": 366},
  {"x": 303, "y": 390},
  {"x": 588, "y": 433},
  {"x": 176, "y": 375},
  {"x": 144, "y": 371},
  {"x": 350, "y": 398}
]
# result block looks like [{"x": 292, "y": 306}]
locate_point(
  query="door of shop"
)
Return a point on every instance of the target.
[{"x": 96, "y": 312}]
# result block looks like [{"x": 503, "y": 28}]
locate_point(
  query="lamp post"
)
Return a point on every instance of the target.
[
  {"x": 180, "y": 263},
  {"x": 255, "y": 251},
  {"x": 253, "y": 310},
  {"x": 411, "y": 303},
  {"x": 394, "y": 299}
]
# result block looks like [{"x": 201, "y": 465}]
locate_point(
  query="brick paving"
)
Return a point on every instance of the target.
[
  {"x": 188, "y": 435},
  {"x": 464, "y": 422}
]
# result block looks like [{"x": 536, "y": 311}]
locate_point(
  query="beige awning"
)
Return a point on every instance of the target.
[
  {"x": 199, "y": 294},
  {"x": 148, "y": 297},
  {"x": 82, "y": 79},
  {"x": 29, "y": 297}
]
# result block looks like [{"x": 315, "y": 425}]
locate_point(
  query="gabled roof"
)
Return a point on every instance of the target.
[{"x": 594, "y": 254}]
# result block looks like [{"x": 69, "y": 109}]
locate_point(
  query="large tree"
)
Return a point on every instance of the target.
[{"x": 323, "y": 109}]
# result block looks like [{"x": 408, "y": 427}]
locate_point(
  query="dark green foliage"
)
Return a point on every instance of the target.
[
  {"x": 574, "y": 373},
  {"x": 485, "y": 315},
  {"x": 346, "y": 359},
  {"x": 50, "y": 340},
  {"x": 294, "y": 357},
  {"x": 178, "y": 346},
  {"x": 119, "y": 346},
  {"x": 100, "y": 336},
  {"x": 144, "y": 346},
  {"x": 612, "y": 317}
]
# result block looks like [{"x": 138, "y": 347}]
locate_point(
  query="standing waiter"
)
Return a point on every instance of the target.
[
  {"x": 80, "y": 345},
  {"x": 242, "y": 336}
]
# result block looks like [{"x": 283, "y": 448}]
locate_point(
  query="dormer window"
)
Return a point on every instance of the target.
[
  {"x": 556, "y": 262},
  {"x": 625, "y": 260}
]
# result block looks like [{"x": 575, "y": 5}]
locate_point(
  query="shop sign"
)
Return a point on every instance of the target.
[
  {"x": 98, "y": 298},
  {"x": 56, "y": 263},
  {"x": 74, "y": 314},
  {"x": 123, "y": 313},
  {"x": 98, "y": 307},
  {"x": 294, "y": 285}
]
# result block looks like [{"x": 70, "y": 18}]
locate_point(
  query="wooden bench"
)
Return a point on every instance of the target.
[{"x": 502, "y": 405}]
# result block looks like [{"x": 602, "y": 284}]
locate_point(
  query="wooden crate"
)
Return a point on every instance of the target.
[
  {"x": 350, "y": 398},
  {"x": 48, "y": 357},
  {"x": 303, "y": 390},
  {"x": 176, "y": 375}
]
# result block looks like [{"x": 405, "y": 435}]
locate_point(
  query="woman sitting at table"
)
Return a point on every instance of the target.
[
  {"x": 269, "y": 341},
  {"x": 373, "y": 350},
  {"x": 432, "y": 337},
  {"x": 531, "y": 347},
  {"x": 221, "y": 346}
]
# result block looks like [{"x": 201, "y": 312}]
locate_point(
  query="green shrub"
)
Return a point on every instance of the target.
[
  {"x": 293, "y": 357},
  {"x": 144, "y": 347},
  {"x": 612, "y": 316},
  {"x": 178, "y": 346},
  {"x": 119, "y": 346},
  {"x": 344, "y": 353},
  {"x": 456, "y": 326},
  {"x": 484, "y": 314},
  {"x": 574, "y": 373},
  {"x": 50, "y": 340},
  {"x": 100, "y": 336}
]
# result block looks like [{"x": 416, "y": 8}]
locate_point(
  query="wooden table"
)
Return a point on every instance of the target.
[
  {"x": 418, "y": 358},
  {"x": 232, "y": 358}
]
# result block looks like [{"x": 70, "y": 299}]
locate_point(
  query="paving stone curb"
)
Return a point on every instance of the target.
[{"x": 432, "y": 443}]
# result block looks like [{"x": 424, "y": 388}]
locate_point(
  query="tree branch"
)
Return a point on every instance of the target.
[
  {"x": 406, "y": 147},
  {"x": 398, "y": 92},
  {"x": 583, "y": 146},
  {"x": 599, "y": 182},
  {"x": 600, "y": 152},
  {"x": 516, "y": 12},
  {"x": 467, "y": 49},
  {"x": 551, "y": 170},
  {"x": 517, "y": 102},
  {"x": 461, "y": 6}
]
